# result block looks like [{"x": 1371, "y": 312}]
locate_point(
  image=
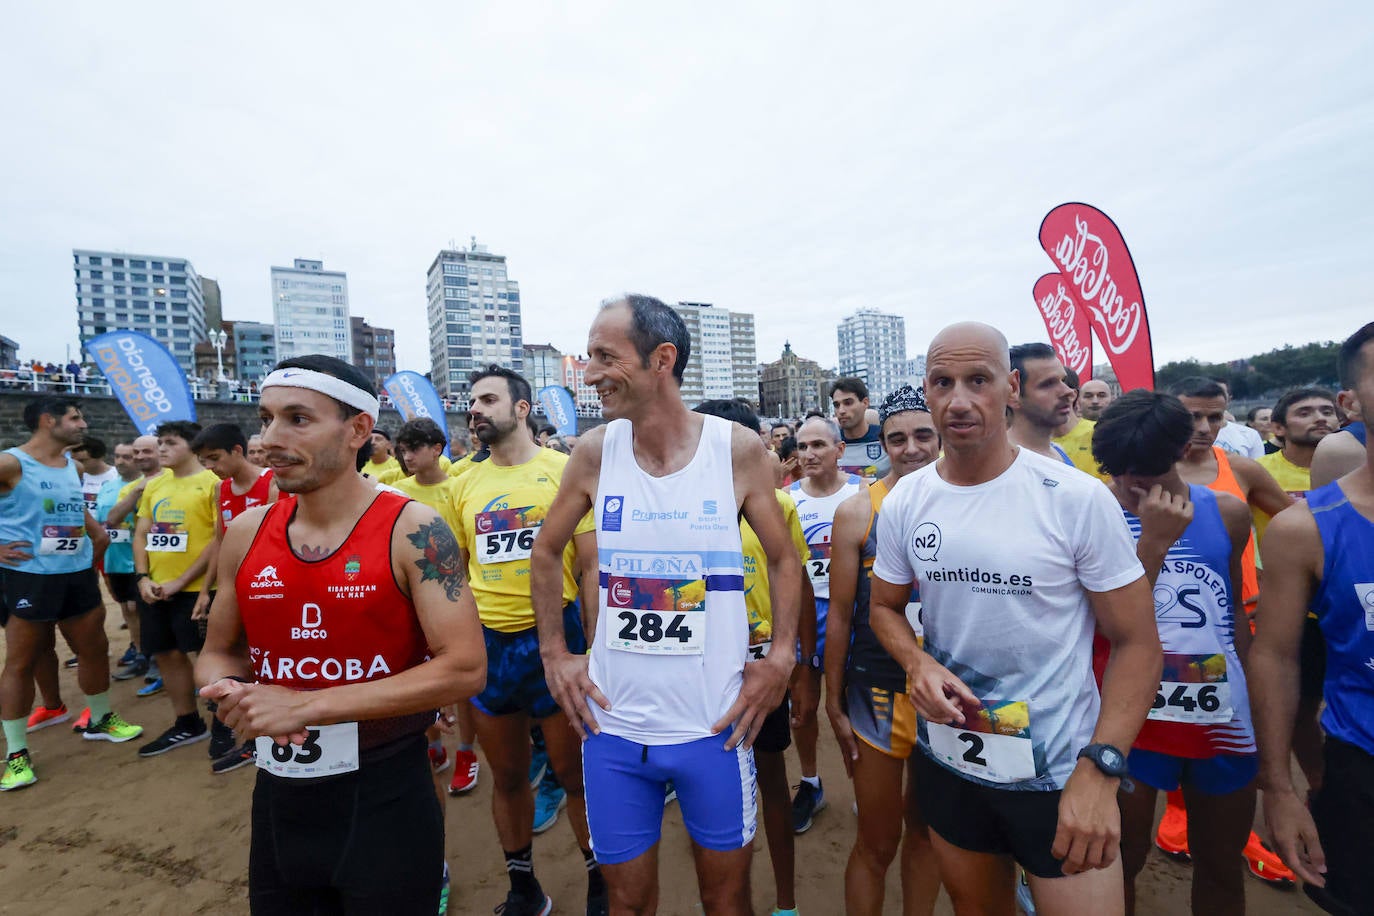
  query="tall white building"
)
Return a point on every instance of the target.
[
  {"x": 873, "y": 348},
  {"x": 474, "y": 317},
  {"x": 310, "y": 306},
  {"x": 723, "y": 361},
  {"x": 157, "y": 295}
]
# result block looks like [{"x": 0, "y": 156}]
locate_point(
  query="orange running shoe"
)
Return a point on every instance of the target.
[
  {"x": 1266, "y": 865},
  {"x": 43, "y": 717},
  {"x": 82, "y": 721},
  {"x": 1172, "y": 835}
]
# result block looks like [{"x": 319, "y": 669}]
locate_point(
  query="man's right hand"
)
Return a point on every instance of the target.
[
  {"x": 1294, "y": 835},
  {"x": 570, "y": 686},
  {"x": 1163, "y": 516},
  {"x": 15, "y": 552},
  {"x": 937, "y": 694}
]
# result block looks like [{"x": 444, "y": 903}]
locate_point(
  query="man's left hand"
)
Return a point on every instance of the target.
[
  {"x": 761, "y": 692},
  {"x": 265, "y": 710},
  {"x": 1089, "y": 834}
]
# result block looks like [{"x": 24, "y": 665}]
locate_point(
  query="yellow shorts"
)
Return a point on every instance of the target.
[{"x": 883, "y": 719}]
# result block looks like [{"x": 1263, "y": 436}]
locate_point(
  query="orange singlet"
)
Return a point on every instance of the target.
[{"x": 1226, "y": 483}]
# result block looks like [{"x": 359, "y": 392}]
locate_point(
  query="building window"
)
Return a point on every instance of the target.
[
  {"x": 117, "y": 262},
  {"x": 156, "y": 265},
  {"x": 134, "y": 262}
]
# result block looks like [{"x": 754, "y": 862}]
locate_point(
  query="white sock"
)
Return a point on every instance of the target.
[{"x": 813, "y": 781}]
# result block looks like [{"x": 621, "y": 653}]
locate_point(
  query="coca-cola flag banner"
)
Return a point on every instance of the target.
[
  {"x": 1092, "y": 256},
  {"x": 1068, "y": 324},
  {"x": 146, "y": 379},
  {"x": 414, "y": 396}
]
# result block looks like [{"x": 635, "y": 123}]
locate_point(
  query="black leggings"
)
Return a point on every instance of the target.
[{"x": 371, "y": 841}]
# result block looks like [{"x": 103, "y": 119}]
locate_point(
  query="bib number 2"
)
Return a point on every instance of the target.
[
  {"x": 326, "y": 751},
  {"x": 987, "y": 755}
]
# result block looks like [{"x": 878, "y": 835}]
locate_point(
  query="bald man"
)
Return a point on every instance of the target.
[
  {"x": 1094, "y": 397},
  {"x": 1018, "y": 558}
]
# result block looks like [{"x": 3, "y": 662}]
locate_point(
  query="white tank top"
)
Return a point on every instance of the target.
[
  {"x": 673, "y": 633},
  {"x": 817, "y": 517}
]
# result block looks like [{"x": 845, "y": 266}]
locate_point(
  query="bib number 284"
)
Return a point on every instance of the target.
[{"x": 659, "y": 633}]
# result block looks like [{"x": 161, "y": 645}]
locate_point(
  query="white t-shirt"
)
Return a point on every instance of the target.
[
  {"x": 91, "y": 484},
  {"x": 1004, "y": 568},
  {"x": 1239, "y": 439}
]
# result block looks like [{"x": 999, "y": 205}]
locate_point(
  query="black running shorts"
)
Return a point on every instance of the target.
[
  {"x": 775, "y": 734},
  {"x": 50, "y": 597},
  {"x": 167, "y": 625},
  {"x": 1344, "y": 812},
  {"x": 1006, "y": 822},
  {"x": 370, "y": 841}
]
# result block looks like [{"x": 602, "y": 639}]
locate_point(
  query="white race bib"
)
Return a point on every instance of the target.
[
  {"x": 656, "y": 616},
  {"x": 818, "y": 570},
  {"x": 759, "y": 650},
  {"x": 1193, "y": 690},
  {"x": 167, "y": 542},
  {"x": 328, "y": 750},
  {"x": 981, "y": 751},
  {"x": 120, "y": 535},
  {"x": 505, "y": 546},
  {"x": 60, "y": 540}
]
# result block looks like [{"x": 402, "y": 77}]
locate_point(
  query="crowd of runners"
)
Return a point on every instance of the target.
[{"x": 1026, "y": 607}]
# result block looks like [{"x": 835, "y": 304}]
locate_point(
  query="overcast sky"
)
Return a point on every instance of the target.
[{"x": 797, "y": 161}]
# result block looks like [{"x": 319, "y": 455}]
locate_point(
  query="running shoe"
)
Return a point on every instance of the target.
[
  {"x": 42, "y": 717},
  {"x": 806, "y": 804},
  {"x": 222, "y": 739},
  {"x": 129, "y": 655},
  {"x": 791, "y": 912},
  {"x": 1172, "y": 835},
  {"x": 465, "y": 767},
  {"x": 18, "y": 772},
  {"x": 438, "y": 758},
  {"x": 71, "y": 662},
  {"x": 136, "y": 668},
  {"x": 238, "y": 757},
  {"x": 175, "y": 737},
  {"x": 111, "y": 728},
  {"x": 539, "y": 762},
  {"x": 82, "y": 721},
  {"x": 443, "y": 893},
  {"x": 153, "y": 674},
  {"x": 548, "y": 801},
  {"x": 517, "y": 904},
  {"x": 1266, "y": 865},
  {"x": 152, "y": 688}
]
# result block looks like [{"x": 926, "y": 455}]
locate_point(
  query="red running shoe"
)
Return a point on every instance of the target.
[
  {"x": 465, "y": 767},
  {"x": 1266, "y": 865}
]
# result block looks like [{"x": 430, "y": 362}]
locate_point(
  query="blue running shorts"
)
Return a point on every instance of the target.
[
  {"x": 822, "y": 612},
  {"x": 1219, "y": 775},
  {"x": 625, "y": 783},
  {"x": 515, "y": 672}
]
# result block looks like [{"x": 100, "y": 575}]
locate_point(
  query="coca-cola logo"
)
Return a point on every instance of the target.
[
  {"x": 1086, "y": 261},
  {"x": 1067, "y": 326}
]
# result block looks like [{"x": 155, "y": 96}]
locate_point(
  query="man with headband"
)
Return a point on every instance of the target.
[
  {"x": 865, "y": 690},
  {"x": 333, "y": 641}
]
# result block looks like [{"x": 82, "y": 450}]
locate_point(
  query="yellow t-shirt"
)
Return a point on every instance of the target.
[
  {"x": 500, "y": 511},
  {"x": 758, "y": 599},
  {"x": 1294, "y": 480},
  {"x": 389, "y": 466},
  {"x": 439, "y": 497},
  {"x": 1078, "y": 445},
  {"x": 461, "y": 466},
  {"x": 182, "y": 511}
]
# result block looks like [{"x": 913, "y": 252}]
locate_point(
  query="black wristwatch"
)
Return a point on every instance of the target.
[
  {"x": 815, "y": 662},
  {"x": 1108, "y": 759}
]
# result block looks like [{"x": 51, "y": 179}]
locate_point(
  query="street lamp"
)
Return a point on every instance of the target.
[{"x": 218, "y": 340}]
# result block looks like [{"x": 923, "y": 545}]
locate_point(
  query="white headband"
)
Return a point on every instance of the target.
[{"x": 325, "y": 384}]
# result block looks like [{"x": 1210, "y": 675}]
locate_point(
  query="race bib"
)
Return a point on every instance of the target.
[
  {"x": 994, "y": 744},
  {"x": 326, "y": 751},
  {"x": 61, "y": 540},
  {"x": 1193, "y": 690},
  {"x": 1365, "y": 592},
  {"x": 167, "y": 541},
  {"x": 656, "y": 616},
  {"x": 505, "y": 546},
  {"x": 818, "y": 566},
  {"x": 759, "y": 650},
  {"x": 120, "y": 535}
]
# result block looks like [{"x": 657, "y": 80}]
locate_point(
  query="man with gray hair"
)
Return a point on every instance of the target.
[{"x": 819, "y": 492}]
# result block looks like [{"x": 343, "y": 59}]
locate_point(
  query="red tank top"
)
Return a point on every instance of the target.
[
  {"x": 232, "y": 505},
  {"x": 312, "y": 624}
]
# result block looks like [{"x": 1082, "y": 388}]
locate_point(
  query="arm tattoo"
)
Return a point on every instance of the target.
[{"x": 440, "y": 560}]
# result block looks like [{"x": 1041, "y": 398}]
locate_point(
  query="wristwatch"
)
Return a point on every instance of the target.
[
  {"x": 815, "y": 663},
  {"x": 1108, "y": 759}
]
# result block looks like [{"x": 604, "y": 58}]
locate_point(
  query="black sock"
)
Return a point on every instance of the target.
[
  {"x": 595, "y": 883},
  {"x": 190, "y": 720},
  {"x": 520, "y": 868}
]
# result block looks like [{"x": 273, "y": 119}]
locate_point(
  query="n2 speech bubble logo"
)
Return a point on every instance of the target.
[{"x": 926, "y": 541}]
